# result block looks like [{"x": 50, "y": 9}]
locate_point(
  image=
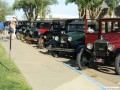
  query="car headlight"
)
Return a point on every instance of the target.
[
  {"x": 63, "y": 32},
  {"x": 31, "y": 32},
  {"x": 24, "y": 31},
  {"x": 56, "y": 38},
  {"x": 20, "y": 29},
  {"x": 89, "y": 46},
  {"x": 38, "y": 33},
  {"x": 53, "y": 37},
  {"x": 111, "y": 47},
  {"x": 69, "y": 38}
]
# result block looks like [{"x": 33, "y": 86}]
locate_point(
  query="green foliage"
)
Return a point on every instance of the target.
[
  {"x": 33, "y": 8},
  {"x": 117, "y": 11},
  {"x": 93, "y": 7},
  {"x": 112, "y": 5},
  {"x": 5, "y": 9},
  {"x": 10, "y": 76}
]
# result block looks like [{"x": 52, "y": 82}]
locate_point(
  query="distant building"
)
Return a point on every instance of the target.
[
  {"x": 10, "y": 18},
  {"x": 59, "y": 16}
]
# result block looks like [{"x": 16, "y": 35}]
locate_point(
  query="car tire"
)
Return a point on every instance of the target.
[
  {"x": 117, "y": 65},
  {"x": 82, "y": 60},
  {"x": 18, "y": 36},
  {"x": 53, "y": 53},
  {"x": 22, "y": 37},
  {"x": 41, "y": 43}
]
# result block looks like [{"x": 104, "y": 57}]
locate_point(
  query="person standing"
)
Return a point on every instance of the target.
[
  {"x": 6, "y": 29},
  {"x": 1, "y": 29},
  {"x": 13, "y": 29}
]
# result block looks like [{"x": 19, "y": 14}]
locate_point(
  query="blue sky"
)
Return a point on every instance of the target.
[{"x": 61, "y": 8}]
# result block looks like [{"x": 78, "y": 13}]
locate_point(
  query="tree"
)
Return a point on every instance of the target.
[
  {"x": 5, "y": 9},
  {"x": 112, "y": 4},
  {"x": 82, "y": 4},
  {"x": 117, "y": 11},
  {"x": 33, "y": 8},
  {"x": 93, "y": 7}
]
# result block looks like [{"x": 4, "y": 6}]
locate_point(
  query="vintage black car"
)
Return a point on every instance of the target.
[
  {"x": 68, "y": 40},
  {"x": 57, "y": 26},
  {"x": 22, "y": 29},
  {"x": 102, "y": 47}
]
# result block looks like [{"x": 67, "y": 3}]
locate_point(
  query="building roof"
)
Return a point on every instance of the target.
[{"x": 60, "y": 16}]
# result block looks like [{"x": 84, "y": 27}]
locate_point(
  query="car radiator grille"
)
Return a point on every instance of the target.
[
  {"x": 100, "y": 49},
  {"x": 64, "y": 39}
]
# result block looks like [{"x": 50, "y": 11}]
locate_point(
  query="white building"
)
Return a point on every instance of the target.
[
  {"x": 60, "y": 16},
  {"x": 10, "y": 18}
]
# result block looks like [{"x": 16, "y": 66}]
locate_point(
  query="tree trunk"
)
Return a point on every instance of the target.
[{"x": 81, "y": 12}]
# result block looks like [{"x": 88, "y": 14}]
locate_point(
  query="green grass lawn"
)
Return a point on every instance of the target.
[{"x": 10, "y": 76}]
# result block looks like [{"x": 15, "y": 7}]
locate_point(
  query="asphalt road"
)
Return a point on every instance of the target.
[{"x": 45, "y": 72}]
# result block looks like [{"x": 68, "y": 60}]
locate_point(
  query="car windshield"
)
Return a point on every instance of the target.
[
  {"x": 33, "y": 24},
  {"x": 92, "y": 26},
  {"x": 75, "y": 27},
  {"x": 57, "y": 26},
  {"x": 111, "y": 26},
  {"x": 43, "y": 25}
]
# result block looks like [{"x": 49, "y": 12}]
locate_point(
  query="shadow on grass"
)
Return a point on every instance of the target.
[{"x": 4, "y": 66}]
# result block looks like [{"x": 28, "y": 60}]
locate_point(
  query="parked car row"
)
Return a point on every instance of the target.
[{"x": 89, "y": 41}]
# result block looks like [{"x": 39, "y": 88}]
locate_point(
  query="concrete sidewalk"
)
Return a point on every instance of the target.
[{"x": 43, "y": 72}]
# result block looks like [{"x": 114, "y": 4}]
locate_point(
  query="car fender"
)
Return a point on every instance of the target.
[
  {"x": 76, "y": 43},
  {"x": 84, "y": 49},
  {"x": 80, "y": 48},
  {"x": 53, "y": 42},
  {"x": 42, "y": 35},
  {"x": 116, "y": 52}
]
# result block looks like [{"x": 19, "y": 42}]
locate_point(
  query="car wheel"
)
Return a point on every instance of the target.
[
  {"x": 117, "y": 65},
  {"x": 53, "y": 53},
  {"x": 28, "y": 42},
  {"x": 18, "y": 36},
  {"x": 82, "y": 60},
  {"x": 27, "y": 39},
  {"x": 22, "y": 37},
  {"x": 41, "y": 43}
]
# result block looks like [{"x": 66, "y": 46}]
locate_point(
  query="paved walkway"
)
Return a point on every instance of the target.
[{"x": 45, "y": 73}]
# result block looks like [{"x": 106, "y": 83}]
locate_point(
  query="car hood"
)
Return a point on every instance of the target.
[
  {"x": 43, "y": 30},
  {"x": 113, "y": 38},
  {"x": 76, "y": 35}
]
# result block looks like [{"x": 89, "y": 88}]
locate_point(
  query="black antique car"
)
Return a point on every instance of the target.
[
  {"x": 102, "y": 47},
  {"x": 69, "y": 40},
  {"x": 22, "y": 29},
  {"x": 57, "y": 26}
]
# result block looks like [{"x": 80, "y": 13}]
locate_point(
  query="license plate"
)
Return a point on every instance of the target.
[
  {"x": 100, "y": 60},
  {"x": 62, "y": 41}
]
